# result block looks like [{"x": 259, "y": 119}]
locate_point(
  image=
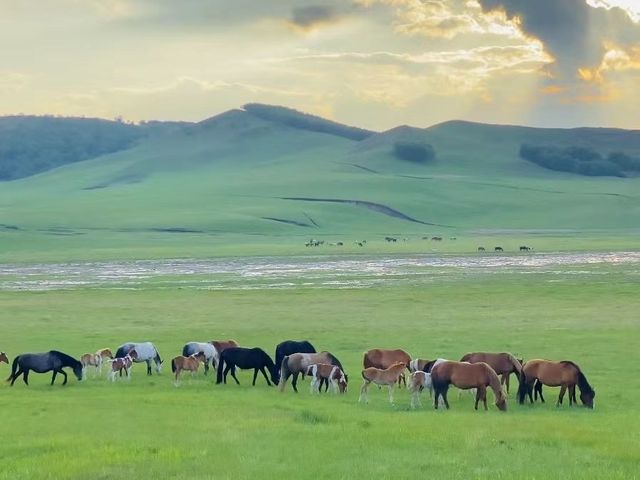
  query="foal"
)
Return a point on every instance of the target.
[
  {"x": 330, "y": 373},
  {"x": 418, "y": 381},
  {"x": 388, "y": 377},
  {"x": 190, "y": 363},
  {"x": 122, "y": 363},
  {"x": 95, "y": 360}
]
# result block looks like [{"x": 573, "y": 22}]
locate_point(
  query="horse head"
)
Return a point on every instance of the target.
[
  {"x": 588, "y": 398},
  {"x": 78, "y": 371},
  {"x": 3, "y": 358},
  {"x": 133, "y": 354},
  {"x": 501, "y": 401}
]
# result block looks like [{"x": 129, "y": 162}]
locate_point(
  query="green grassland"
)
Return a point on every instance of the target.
[
  {"x": 224, "y": 186},
  {"x": 148, "y": 428}
]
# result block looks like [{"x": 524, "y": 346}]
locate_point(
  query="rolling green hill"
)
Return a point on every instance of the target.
[{"x": 274, "y": 178}]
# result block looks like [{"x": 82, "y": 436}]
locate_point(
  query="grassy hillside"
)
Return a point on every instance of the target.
[{"x": 243, "y": 178}]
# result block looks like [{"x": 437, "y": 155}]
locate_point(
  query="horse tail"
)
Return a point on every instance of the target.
[
  {"x": 220, "y": 367},
  {"x": 14, "y": 367},
  {"x": 173, "y": 365},
  {"x": 285, "y": 372},
  {"x": 157, "y": 357}
]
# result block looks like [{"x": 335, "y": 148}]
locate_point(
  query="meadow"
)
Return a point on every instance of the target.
[{"x": 148, "y": 428}]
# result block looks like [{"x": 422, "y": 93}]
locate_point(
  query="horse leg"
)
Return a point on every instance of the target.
[
  {"x": 390, "y": 387},
  {"x": 266, "y": 377},
  {"x": 294, "y": 382},
  {"x": 507, "y": 376},
  {"x": 233, "y": 374},
  {"x": 53, "y": 378},
  {"x": 206, "y": 366},
  {"x": 15, "y": 376},
  {"x": 483, "y": 393},
  {"x": 478, "y": 395},
  {"x": 444, "y": 397},
  {"x": 572, "y": 394},
  {"x": 437, "y": 395},
  {"x": 148, "y": 367},
  {"x": 25, "y": 377},
  {"x": 363, "y": 392},
  {"x": 561, "y": 396}
]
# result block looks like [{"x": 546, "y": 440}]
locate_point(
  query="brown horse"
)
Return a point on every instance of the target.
[
  {"x": 503, "y": 364},
  {"x": 564, "y": 374},
  {"x": 380, "y": 358},
  {"x": 297, "y": 363},
  {"x": 331, "y": 373},
  {"x": 3, "y": 358},
  {"x": 466, "y": 376},
  {"x": 221, "y": 346},
  {"x": 388, "y": 377},
  {"x": 190, "y": 364},
  {"x": 122, "y": 363}
]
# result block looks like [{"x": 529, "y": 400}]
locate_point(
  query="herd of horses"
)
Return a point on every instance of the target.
[{"x": 476, "y": 372}]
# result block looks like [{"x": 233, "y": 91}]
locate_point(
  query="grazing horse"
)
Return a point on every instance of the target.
[
  {"x": 146, "y": 351},
  {"x": 123, "y": 363},
  {"x": 207, "y": 349},
  {"x": 524, "y": 248},
  {"x": 380, "y": 358},
  {"x": 4, "y": 358},
  {"x": 332, "y": 374},
  {"x": 189, "y": 363},
  {"x": 245, "y": 358},
  {"x": 42, "y": 363},
  {"x": 95, "y": 360},
  {"x": 564, "y": 374},
  {"x": 466, "y": 376},
  {"x": 297, "y": 363},
  {"x": 221, "y": 346},
  {"x": 418, "y": 381},
  {"x": 388, "y": 377},
  {"x": 482, "y": 249},
  {"x": 289, "y": 347},
  {"x": 503, "y": 364},
  {"x": 498, "y": 249}
]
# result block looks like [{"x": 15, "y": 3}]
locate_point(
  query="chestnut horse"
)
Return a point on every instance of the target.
[
  {"x": 190, "y": 363},
  {"x": 502, "y": 363},
  {"x": 297, "y": 363},
  {"x": 221, "y": 346},
  {"x": 381, "y": 358},
  {"x": 332, "y": 374},
  {"x": 388, "y": 377},
  {"x": 466, "y": 376},
  {"x": 95, "y": 360},
  {"x": 564, "y": 374}
]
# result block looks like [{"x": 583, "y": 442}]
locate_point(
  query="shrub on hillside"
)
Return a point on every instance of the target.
[
  {"x": 580, "y": 160},
  {"x": 417, "y": 152},
  {"x": 624, "y": 161}
]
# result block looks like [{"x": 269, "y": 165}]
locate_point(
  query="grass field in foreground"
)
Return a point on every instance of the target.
[{"x": 149, "y": 429}]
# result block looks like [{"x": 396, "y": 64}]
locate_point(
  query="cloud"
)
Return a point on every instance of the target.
[{"x": 309, "y": 17}]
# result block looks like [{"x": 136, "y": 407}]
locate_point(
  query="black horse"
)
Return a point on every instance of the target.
[
  {"x": 289, "y": 347},
  {"x": 42, "y": 363},
  {"x": 245, "y": 359}
]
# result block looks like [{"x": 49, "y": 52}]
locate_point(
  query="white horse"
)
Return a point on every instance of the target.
[
  {"x": 211, "y": 355},
  {"x": 146, "y": 351}
]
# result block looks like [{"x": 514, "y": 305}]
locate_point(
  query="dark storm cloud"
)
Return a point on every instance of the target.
[
  {"x": 312, "y": 15},
  {"x": 572, "y": 31}
]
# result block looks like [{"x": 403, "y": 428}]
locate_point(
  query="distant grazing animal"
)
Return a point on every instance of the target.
[
  {"x": 297, "y": 363},
  {"x": 436, "y": 239},
  {"x": 391, "y": 239},
  {"x": 498, "y": 249},
  {"x": 465, "y": 376},
  {"x": 482, "y": 249},
  {"x": 246, "y": 358},
  {"x": 146, "y": 351},
  {"x": 208, "y": 350},
  {"x": 221, "y": 346},
  {"x": 452, "y": 238},
  {"x": 564, "y": 374},
  {"x": 123, "y": 363},
  {"x": 418, "y": 381},
  {"x": 95, "y": 360},
  {"x": 4, "y": 358},
  {"x": 331, "y": 373},
  {"x": 339, "y": 244},
  {"x": 502, "y": 363},
  {"x": 360, "y": 244},
  {"x": 289, "y": 347},
  {"x": 381, "y": 358},
  {"x": 42, "y": 363},
  {"x": 189, "y": 363},
  {"x": 388, "y": 377},
  {"x": 524, "y": 248}
]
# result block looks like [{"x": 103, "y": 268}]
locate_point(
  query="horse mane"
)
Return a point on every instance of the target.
[
  {"x": 583, "y": 384},
  {"x": 334, "y": 360},
  {"x": 66, "y": 357},
  {"x": 516, "y": 364}
]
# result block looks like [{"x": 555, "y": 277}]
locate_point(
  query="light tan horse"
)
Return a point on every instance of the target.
[
  {"x": 190, "y": 364},
  {"x": 564, "y": 374},
  {"x": 465, "y": 376},
  {"x": 381, "y": 358},
  {"x": 221, "y": 346},
  {"x": 331, "y": 373},
  {"x": 4, "y": 358},
  {"x": 388, "y": 377},
  {"x": 418, "y": 381},
  {"x": 297, "y": 363},
  {"x": 503, "y": 364},
  {"x": 95, "y": 360}
]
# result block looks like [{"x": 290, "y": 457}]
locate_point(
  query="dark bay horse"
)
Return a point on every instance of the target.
[
  {"x": 297, "y": 363},
  {"x": 503, "y": 364},
  {"x": 466, "y": 376},
  {"x": 245, "y": 359},
  {"x": 289, "y": 347},
  {"x": 564, "y": 374},
  {"x": 42, "y": 363}
]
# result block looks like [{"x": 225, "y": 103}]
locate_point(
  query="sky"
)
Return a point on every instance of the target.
[{"x": 371, "y": 63}]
